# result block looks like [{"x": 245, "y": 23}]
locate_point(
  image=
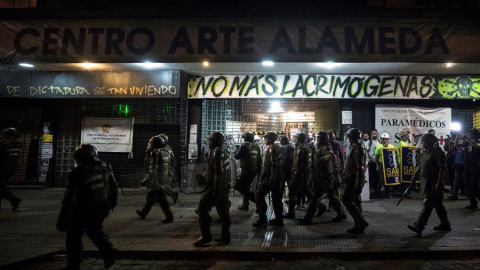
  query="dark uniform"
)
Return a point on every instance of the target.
[
  {"x": 287, "y": 162},
  {"x": 271, "y": 182},
  {"x": 160, "y": 172},
  {"x": 90, "y": 194},
  {"x": 10, "y": 149},
  {"x": 216, "y": 193},
  {"x": 250, "y": 157},
  {"x": 471, "y": 172},
  {"x": 302, "y": 164},
  {"x": 354, "y": 180},
  {"x": 324, "y": 182},
  {"x": 432, "y": 168}
]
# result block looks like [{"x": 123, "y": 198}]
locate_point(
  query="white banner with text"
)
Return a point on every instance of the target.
[
  {"x": 416, "y": 120},
  {"x": 108, "y": 134}
]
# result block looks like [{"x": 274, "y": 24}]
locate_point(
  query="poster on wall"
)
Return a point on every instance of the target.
[
  {"x": 417, "y": 120},
  {"x": 409, "y": 162},
  {"x": 108, "y": 134},
  {"x": 391, "y": 174}
]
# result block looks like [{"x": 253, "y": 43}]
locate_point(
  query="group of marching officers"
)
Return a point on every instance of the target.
[
  {"x": 307, "y": 170},
  {"x": 314, "y": 171}
]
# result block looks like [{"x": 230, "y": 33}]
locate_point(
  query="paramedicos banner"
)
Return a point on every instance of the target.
[
  {"x": 108, "y": 134},
  {"x": 416, "y": 120}
]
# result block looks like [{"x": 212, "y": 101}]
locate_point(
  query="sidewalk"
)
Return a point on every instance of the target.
[{"x": 30, "y": 232}]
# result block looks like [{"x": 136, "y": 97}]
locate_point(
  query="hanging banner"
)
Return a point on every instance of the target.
[
  {"x": 409, "y": 162},
  {"x": 108, "y": 134},
  {"x": 391, "y": 172},
  {"x": 333, "y": 86},
  {"x": 417, "y": 120}
]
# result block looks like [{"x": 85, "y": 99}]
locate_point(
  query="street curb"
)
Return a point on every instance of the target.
[
  {"x": 263, "y": 255},
  {"x": 31, "y": 261}
]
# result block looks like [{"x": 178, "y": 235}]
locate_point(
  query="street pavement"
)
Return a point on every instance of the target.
[{"x": 29, "y": 239}]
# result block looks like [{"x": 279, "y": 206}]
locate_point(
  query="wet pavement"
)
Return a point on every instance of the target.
[{"x": 29, "y": 239}]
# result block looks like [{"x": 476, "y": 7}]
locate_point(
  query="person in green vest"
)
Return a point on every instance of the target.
[{"x": 384, "y": 142}]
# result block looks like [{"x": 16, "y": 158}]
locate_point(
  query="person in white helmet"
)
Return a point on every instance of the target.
[{"x": 384, "y": 142}]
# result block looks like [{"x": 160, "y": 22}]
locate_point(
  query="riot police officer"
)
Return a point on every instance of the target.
[
  {"x": 216, "y": 193},
  {"x": 287, "y": 162},
  {"x": 432, "y": 169},
  {"x": 90, "y": 194},
  {"x": 354, "y": 180},
  {"x": 271, "y": 182},
  {"x": 160, "y": 172},
  {"x": 250, "y": 157},
  {"x": 10, "y": 148},
  {"x": 324, "y": 182},
  {"x": 302, "y": 164}
]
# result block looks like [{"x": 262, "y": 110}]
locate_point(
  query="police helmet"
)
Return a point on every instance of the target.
[
  {"x": 156, "y": 141},
  {"x": 284, "y": 140},
  {"x": 164, "y": 139},
  {"x": 216, "y": 139},
  {"x": 429, "y": 141},
  {"x": 248, "y": 136},
  {"x": 384, "y": 136},
  {"x": 301, "y": 137},
  {"x": 10, "y": 132},
  {"x": 84, "y": 153},
  {"x": 271, "y": 137},
  {"x": 322, "y": 136},
  {"x": 354, "y": 134}
]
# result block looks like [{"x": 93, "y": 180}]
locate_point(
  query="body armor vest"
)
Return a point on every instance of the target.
[
  {"x": 162, "y": 167},
  {"x": 250, "y": 155},
  {"x": 95, "y": 182}
]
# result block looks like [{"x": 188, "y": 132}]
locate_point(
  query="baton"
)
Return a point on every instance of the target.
[
  {"x": 326, "y": 193},
  {"x": 409, "y": 186}
]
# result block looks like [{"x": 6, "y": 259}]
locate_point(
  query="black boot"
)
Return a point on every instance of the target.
[
  {"x": 304, "y": 221},
  {"x": 168, "y": 219},
  {"x": 203, "y": 240},
  {"x": 225, "y": 237},
  {"x": 15, "y": 204},
  {"x": 359, "y": 228},
  {"x": 110, "y": 258},
  {"x": 416, "y": 229},
  {"x": 276, "y": 222},
  {"x": 140, "y": 214},
  {"x": 339, "y": 218},
  {"x": 204, "y": 224},
  {"x": 443, "y": 226},
  {"x": 261, "y": 222}
]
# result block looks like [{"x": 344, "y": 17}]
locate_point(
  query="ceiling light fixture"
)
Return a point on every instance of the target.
[
  {"x": 329, "y": 65},
  {"x": 26, "y": 65},
  {"x": 449, "y": 65},
  {"x": 206, "y": 63},
  {"x": 88, "y": 65},
  {"x": 150, "y": 65},
  {"x": 268, "y": 63}
]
